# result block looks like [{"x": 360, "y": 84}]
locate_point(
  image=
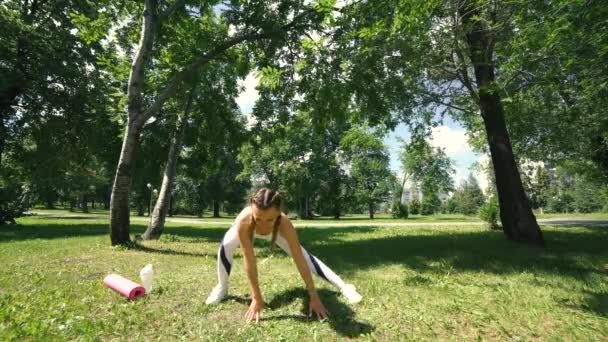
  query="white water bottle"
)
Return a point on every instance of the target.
[{"x": 147, "y": 274}]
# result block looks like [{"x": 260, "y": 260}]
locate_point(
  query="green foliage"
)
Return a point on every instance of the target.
[
  {"x": 369, "y": 166},
  {"x": 555, "y": 72},
  {"x": 587, "y": 196},
  {"x": 489, "y": 212},
  {"x": 414, "y": 206},
  {"x": 429, "y": 167},
  {"x": 13, "y": 202},
  {"x": 270, "y": 77},
  {"x": 302, "y": 160},
  {"x": 399, "y": 210},
  {"x": 430, "y": 204},
  {"x": 467, "y": 198},
  {"x": 561, "y": 203},
  {"x": 91, "y": 30}
]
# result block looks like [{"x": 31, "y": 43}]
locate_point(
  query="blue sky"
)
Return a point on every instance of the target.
[{"x": 451, "y": 136}]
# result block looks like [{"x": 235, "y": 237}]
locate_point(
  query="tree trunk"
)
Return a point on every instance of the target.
[
  {"x": 157, "y": 222},
  {"x": 401, "y": 199},
  {"x": 216, "y": 209},
  {"x": 300, "y": 210},
  {"x": 93, "y": 203},
  {"x": 106, "y": 200},
  {"x": 83, "y": 204},
  {"x": 119, "y": 200},
  {"x": 519, "y": 223},
  {"x": 171, "y": 205},
  {"x": 119, "y": 211},
  {"x": 371, "y": 211}
]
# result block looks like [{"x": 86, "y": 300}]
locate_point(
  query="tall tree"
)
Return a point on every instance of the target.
[
  {"x": 141, "y": 105},
  {"x": 431, "y": 56},
  {"x": 299, "y": 158},
  {"x": 368, "y": 159},
  {"x": 467, "y": 198},
  {"x": 55, "y": 118},
  {"x": 430, "y": 167}
]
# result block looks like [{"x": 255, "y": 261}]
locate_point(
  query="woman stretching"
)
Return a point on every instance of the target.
[{"x": 264, "y": 219}]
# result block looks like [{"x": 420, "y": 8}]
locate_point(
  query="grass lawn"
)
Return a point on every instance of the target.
[{"x": 431, "y": 283}]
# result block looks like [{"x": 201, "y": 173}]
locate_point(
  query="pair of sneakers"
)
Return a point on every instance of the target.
[{"x": 219, "y": 292}]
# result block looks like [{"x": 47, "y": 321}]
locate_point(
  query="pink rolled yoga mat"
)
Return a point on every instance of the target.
[{"x": 123, "y": 285}]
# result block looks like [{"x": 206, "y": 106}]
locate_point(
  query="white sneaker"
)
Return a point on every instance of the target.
[
  {"x": 217, "y": 294},
  {"x": 351, "y": 294}
]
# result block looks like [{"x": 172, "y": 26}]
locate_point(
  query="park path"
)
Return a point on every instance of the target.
[{"x": 565, "y": 221}]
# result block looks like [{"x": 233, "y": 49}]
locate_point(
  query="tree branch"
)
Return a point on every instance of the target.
[
  {"x": 166, "y": 13},
  {"x": 189, "y": 69}
]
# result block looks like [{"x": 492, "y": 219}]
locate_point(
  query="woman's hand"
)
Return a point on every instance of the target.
[
  {"x": 254, "y": 311},
  {"x": 318, "y": 308}
]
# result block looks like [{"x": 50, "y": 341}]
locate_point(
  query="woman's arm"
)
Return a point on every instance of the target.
[
  {"x": 289, "y": 233},
  {"x": 252, "y": 273}
]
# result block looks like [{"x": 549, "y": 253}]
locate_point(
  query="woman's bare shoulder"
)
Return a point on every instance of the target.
[
  {"x": 244, "y": 217},
  {"x": 285, "y": 221}
]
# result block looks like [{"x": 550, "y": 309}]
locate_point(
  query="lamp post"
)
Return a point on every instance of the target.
[{"x": 150, "y": 203}]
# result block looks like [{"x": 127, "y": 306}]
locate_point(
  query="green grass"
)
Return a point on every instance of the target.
[
  {"x": 596, "y": 216},
  {"x": 431, "y": 283}
]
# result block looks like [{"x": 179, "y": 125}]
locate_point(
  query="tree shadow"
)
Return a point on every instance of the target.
[
  {"x": 141, "y": 248},
  {"x": 342, "y": 317},
  {"x": 245, "y": 300},
  {"x": 70, "y": 228},
  {"x": 597, "y": 302},
  {"x": 436, "y": 251},
  {"x": 19, "y": 232}
]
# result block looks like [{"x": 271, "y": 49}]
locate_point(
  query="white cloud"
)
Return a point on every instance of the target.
[
  {"x": 248, "y": 97},
  {"x": 454, "y": 141}
]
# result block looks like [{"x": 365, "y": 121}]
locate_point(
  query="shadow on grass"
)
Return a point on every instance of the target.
[
  {"x": 577, "y": 253},
  {"x": 342, "y": 317},
  {"x": 434, "y": 250},
  {"x": 597, "y": 302},
  {"x": 166, "y": 251},
  {"x": 381, "y": 220},
  {"x": 70, "y": 228}
]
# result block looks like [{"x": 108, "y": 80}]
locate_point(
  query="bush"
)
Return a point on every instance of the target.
[
  {"x": 415, "y": 207},
  {"x": 399, "y": 210},
  {"x": 562, "y": 203},
  {"x": 427, "y": 208},
  {"x": 490, "y": 212},
  {"x": 430, "y": 204},
  {"x": 13, "y": 201}
]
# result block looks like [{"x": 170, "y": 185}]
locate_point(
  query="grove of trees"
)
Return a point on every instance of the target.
[{"x": 104, "y": 102}]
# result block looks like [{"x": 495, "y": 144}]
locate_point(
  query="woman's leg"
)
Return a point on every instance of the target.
[
  {"x": 225, "y": 254},
  {"x": 316, "y": 266}
]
